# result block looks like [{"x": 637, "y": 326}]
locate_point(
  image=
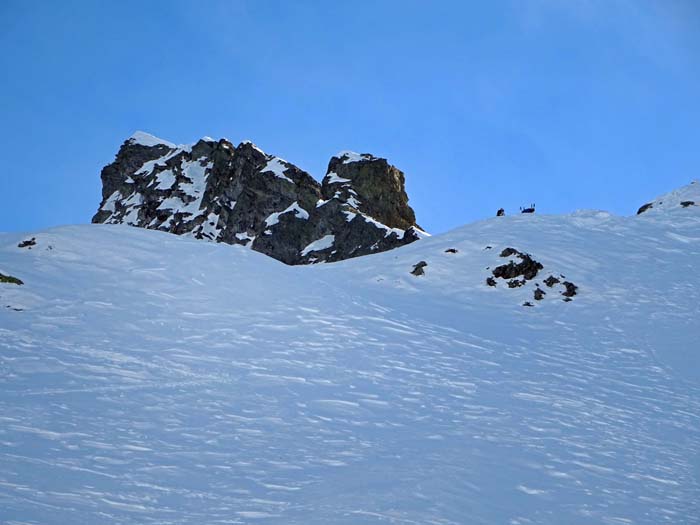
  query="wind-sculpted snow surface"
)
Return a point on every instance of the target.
[{"x": 154, "y": 379}]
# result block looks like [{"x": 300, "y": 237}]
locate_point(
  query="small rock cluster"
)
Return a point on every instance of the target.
[
  {"x": 517, "y": 274},
  {"x": 645, "y": 207}
]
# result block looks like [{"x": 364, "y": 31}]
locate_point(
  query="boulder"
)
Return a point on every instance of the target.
[
  {"x": 645, "y": 207},
  {"x": 418, "y": 268}
]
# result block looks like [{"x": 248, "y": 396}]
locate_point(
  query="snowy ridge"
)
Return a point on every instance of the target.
[
  {"x": 146, "y": 139},
  {"x": 684, "y": 196},
  {"x": 153, "y": 379}
]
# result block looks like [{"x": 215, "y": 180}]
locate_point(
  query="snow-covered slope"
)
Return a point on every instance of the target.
[{"x": 148, "y": 378}]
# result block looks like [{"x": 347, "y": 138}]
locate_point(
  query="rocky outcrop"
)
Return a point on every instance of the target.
[
  {"x": 527, "y": 267},
  {"x": 645, "y": 207},
  {"x": 9, "y": 279},
  {"x": 521, "y": 270},
  {"x": 216, "y": 191},
  {"x": 28, "y": 243},
  {"x": 419, "y": 268}
]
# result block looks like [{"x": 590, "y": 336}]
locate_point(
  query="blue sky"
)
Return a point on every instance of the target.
[{"x": 569, "y": 104}]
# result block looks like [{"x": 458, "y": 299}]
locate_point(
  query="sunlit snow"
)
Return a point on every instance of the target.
[{"x": 148, "y": 378}]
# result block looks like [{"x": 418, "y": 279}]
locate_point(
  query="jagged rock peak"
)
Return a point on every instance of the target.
[
  {"x": 241, "y": 195},
  {"x": 372, "y": 186}
]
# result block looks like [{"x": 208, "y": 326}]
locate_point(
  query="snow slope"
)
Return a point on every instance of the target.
[
  {"x": 688, "y": 196},
  {"x": 153, "y": 379}
]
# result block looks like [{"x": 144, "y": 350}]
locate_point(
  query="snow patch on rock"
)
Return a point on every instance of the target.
[
  {"x": 277, "y": 167},
  {"x": 298, "y": 211},
  {"x": 146, "y": 139},
  {"x": 323, "y": 243},
  {"x": 350, "y": 156}
]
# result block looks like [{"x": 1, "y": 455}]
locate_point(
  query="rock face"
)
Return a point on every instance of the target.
[{"x": 216, "y": 191}]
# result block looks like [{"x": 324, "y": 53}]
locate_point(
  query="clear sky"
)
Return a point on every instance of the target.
[{"x": 566, "y": 103}]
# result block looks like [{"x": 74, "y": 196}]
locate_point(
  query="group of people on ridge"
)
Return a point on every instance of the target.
[{"x": 501, "y": 212}]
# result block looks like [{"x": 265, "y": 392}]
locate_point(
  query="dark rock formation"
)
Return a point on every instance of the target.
[
  {"x": 451, "y": 250},
  {"x": 418, "y": 269},
  {"x": 551, "y": 281},
  {"x": 645, "y": 207},
  {"x": 527, "y": 267},
  {"x": 517, "y": 274},
  {"x": 8, "y": 279},
  {"x": 685, "y": 204},
  {"x": 28, "y": 243},
  {"x": 501, "y": 212},
  {"x": 240, "y": 195},
  {"x": 571, "y": 289}
]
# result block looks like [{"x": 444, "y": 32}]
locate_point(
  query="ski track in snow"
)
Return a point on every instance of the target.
[{"x": 152, "y": 379}]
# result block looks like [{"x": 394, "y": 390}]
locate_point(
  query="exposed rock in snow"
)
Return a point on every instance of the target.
[
  {"x": 257, "y": 199},
  {"x": 527, "y": 267},
  {"x": 27, "y": 243},
  {"x": 418, "y": 268},
  {"x": 9, "y": 279},
  {"x": 520, "y": 274}
]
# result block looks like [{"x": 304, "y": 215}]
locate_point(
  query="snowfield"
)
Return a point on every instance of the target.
[{"x": 147, "y": 378}]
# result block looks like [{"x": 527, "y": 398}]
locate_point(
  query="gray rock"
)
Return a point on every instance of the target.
[
  {"x": 241, "y": 195},
  {"x": 528, "y": 267},
  {"x": 418, "y": 268}
]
